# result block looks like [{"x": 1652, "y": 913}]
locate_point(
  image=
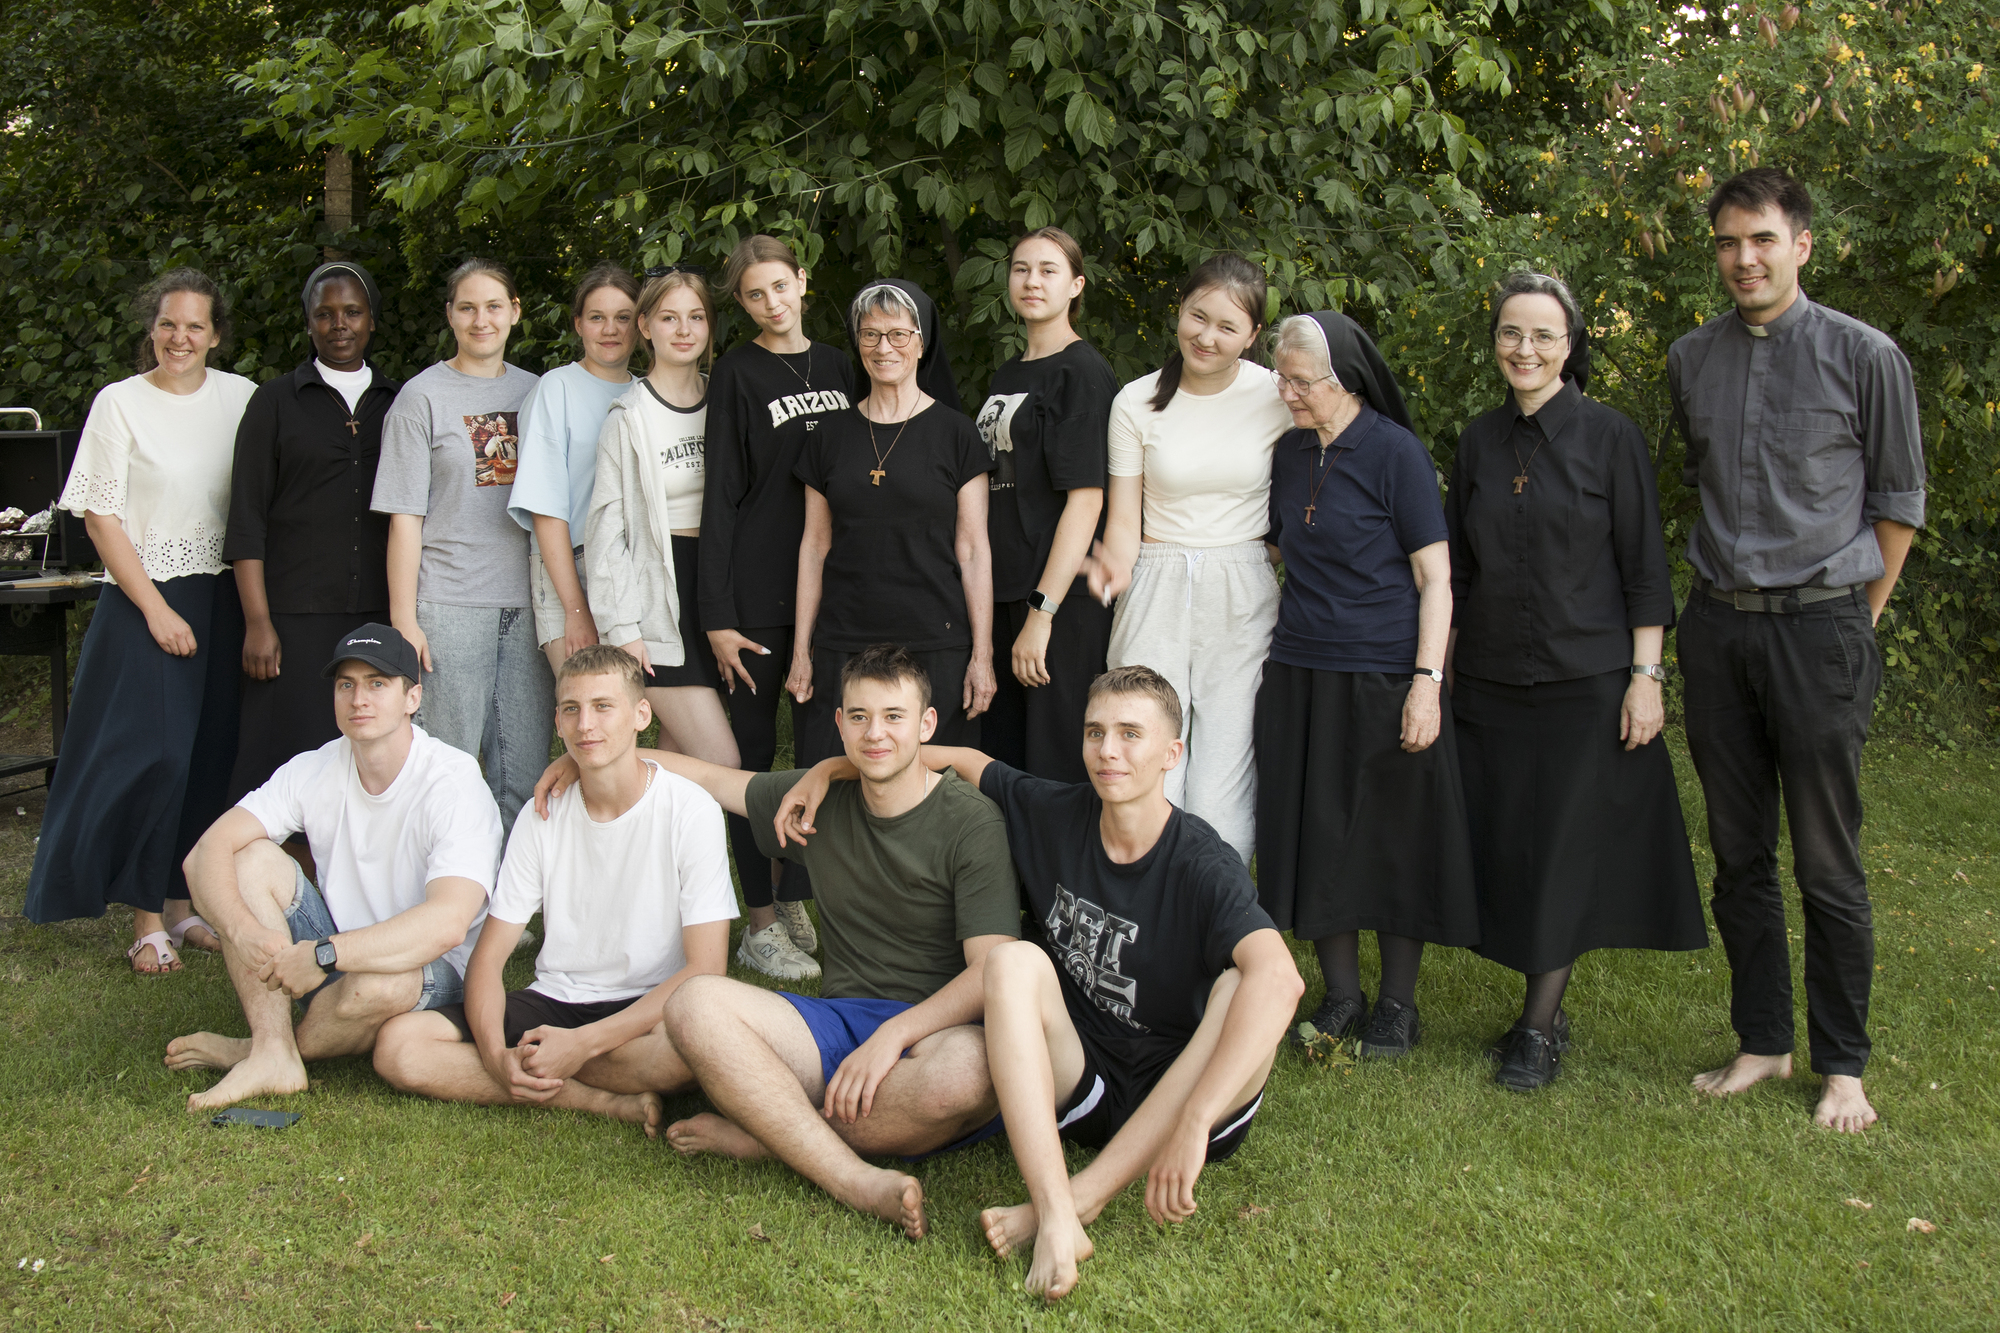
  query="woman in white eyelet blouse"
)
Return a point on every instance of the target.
[{"x": 152, "y": 735}]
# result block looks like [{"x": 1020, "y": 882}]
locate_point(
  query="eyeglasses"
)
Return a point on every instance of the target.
[
  {"x": 898, "y": 338},
  {"x": 1541, "y": 339},
  {"x": 1300, "y": 388},
  {"x": 661, "y": 270}
]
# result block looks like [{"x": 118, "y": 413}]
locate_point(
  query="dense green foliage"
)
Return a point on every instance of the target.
[{"x": 1391, "y": 158}]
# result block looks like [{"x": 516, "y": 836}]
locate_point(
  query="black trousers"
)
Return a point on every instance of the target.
[
  {"x": 816, "y": 734},
  {"x": 753, "y": 720},
  {"x": 1781, "y": 703},
  {"x": 1039, "y": 729}
]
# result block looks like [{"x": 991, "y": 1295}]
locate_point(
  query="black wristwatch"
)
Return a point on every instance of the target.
[
  {"x": 1037, "y": 601},
  {"x": 323, "y": 954}
]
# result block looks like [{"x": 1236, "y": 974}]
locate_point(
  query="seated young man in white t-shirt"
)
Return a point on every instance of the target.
[
  {"x": 631, "y": 877},
  {"x": 405, "y": 838}
]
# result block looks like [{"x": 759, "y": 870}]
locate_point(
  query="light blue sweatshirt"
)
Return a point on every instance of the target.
[{"x": 560, "y": 423}]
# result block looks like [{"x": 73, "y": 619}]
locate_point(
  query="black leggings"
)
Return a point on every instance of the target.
[{"x": 753, "y": 719}]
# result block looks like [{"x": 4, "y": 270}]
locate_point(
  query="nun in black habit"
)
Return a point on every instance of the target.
[
  {"x": 1360, "y": 812},
  {"x": 895, "y": 547},
  {"x": 310, "y": 557}
]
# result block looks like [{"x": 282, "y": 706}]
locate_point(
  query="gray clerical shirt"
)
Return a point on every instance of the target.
[{"x": 1801, "y": 436}]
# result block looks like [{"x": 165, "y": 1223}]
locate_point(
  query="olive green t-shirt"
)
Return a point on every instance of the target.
[{"x": 896, "y": 896}]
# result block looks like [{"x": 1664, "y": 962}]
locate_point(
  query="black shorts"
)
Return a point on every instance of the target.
[
  {"x": 1099, "y": 1107},
  {"x": 529, "y": 1009},
  {"x": 697, "y": 658}
]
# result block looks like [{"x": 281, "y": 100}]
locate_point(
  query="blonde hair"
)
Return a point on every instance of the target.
[
  {"x": 601, "y": 659},
  {"x": 655, "y": 291}
]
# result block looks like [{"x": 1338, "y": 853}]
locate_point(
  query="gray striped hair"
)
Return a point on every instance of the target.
[
  {"x": 1302, "y": 335},
  {"x": 1527, "y": 282},
  {"x": 883, "y": 298}
]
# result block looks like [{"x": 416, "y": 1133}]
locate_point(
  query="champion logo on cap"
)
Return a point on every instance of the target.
[{"x": 352, "y": 642}]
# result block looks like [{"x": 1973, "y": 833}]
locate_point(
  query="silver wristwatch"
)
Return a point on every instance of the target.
[
  {"x": 1436, "y": 676},
  {"x": 1653, "y": 669}
]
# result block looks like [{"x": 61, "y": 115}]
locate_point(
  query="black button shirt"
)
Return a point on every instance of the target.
[
  {"x": 1549, "y": 583},
  {"x": 300, "y": 490}
]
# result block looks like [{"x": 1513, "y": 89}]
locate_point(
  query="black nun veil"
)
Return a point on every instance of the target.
[
  {"x": 1356, "y": 362},
  {"x": 342, "y": 268},
  {"x": 934, "y": 375}
]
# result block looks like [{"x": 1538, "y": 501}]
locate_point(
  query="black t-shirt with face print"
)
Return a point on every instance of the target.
[
  {"x": 891, "y": 574},
  {"x": 1045, "y": 423},
  {"x": 1138, "y": 946}
]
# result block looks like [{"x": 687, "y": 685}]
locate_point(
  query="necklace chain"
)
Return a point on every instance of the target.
[
  {"x": 786, "y": 363},
  {"x": 876, "y": 473},
  {"x": 1312, "y": 499}
]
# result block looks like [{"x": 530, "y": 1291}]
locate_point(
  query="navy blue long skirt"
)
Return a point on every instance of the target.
[{"x": 146, "y": 757}]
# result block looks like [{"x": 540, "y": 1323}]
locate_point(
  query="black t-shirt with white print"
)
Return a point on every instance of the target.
[
  {"x": 1045, "y": 423},
  {"x": 762, "y": 408},
  {"x": 891, "y": 574},
  {"x": 1138, "y": 946}
]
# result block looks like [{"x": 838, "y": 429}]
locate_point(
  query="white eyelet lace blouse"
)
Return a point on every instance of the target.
[{"x": 160, "y": 463}]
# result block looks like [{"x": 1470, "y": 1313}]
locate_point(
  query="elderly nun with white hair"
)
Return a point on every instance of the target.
[
  {"x": 1360, "y": 813},
  {"x": 895, "y": 547}
]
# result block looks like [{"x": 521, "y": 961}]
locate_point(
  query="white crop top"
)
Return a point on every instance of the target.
[
  {"x": 160, "y": 462},
  {"x": 674, "y": 436},
  {"x": 1206, "y": 459}
]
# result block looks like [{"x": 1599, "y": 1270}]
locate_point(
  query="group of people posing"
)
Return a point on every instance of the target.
[{"x": 1439, "y": 727}]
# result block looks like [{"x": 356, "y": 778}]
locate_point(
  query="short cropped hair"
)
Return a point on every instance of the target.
[
  {"x": 1141, "y": 680},
  {"x": 601, "y": 659},
  {"x": 1527, "y": 282},
  {"x": 1760, "y": 188},
  {"x": 890, "y": 663}
]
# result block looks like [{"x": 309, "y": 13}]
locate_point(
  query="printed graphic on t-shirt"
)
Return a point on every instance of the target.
[
  {"x": 684, "y": 453},
  {"x": 496, "y": 447},
  {"x": 798, "y": 404},
  {"x": 1086, "y": 941},
  {"x": 996, "y": 427}
]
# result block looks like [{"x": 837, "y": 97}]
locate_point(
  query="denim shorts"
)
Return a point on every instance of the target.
[{"x": 308, "y": 919}]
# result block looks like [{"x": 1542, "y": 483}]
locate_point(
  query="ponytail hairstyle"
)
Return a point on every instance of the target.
[
  {"x": 606, "y": 274},
  {"x": 473, "y": 268},
  {"x": 1061, "y": 240},
  {"x": 754, "y": 250},
  {"x": 147, "y": 304},
  {"x": 656, "y": 291},
  {"x": 1236, "y": 278}
]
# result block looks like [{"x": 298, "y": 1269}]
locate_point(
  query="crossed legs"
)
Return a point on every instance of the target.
[
  {"x": 1037, "y": 1061},
  {"x": 756, "y": 1059},
  {"x": 423, "y": 1053},
  {"x": 342, "y": 1020}
]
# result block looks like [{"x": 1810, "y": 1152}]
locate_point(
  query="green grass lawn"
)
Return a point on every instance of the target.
[{"x": 1416, "y": 1195}]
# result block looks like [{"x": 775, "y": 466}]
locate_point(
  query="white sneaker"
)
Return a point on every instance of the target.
[
  {"x": 772, "y": 952},
  {"x": 792, "y": 916}
]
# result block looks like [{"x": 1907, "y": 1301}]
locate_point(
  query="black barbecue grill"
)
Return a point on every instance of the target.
[{"x": 34, "y": 590}]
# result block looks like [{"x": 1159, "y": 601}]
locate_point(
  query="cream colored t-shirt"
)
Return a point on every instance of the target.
[
  {"x": 160, "y": 463},
  {"x": 1206, "y": 459}
]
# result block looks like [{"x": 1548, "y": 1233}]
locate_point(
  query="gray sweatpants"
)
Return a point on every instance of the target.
[
  {"x": 492, "y": 695},
  {"x": 1202, "y": 617}
]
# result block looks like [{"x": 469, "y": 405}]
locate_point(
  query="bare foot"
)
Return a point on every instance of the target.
[
  {"x": 1843, "y": 1105},
  {"x": 1058, "y": 1250},
  {"x": 256, "y": 1076},
  {"x": 648, "y": 1109},
  {"x": 207, "y": 1050},
  {"x": 1009, "y": 1229},
  {"x": 893, "y": 1197},
  {"x": 709, "y": 1132},
  {"x": 1744, "y": 1071}
]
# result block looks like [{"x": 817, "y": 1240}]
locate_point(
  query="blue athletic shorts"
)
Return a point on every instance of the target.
[{"x": 839, "y": 1027}]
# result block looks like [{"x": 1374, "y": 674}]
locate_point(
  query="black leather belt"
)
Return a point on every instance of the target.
[{"x": 1778, "y": 601}]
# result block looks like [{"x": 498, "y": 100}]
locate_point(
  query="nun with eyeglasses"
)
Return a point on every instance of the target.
[
  {"x": 310, "y": 557},
  {"x": 895, "y": 547},
  {"x": 1360, "y": 812},
  {"x": 1562, "y": 597}
]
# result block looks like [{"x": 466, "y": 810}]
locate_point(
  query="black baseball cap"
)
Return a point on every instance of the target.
[{"x": 380, "y": 646}]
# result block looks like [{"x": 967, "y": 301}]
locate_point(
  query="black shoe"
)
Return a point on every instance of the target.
[
  {"x": 1505, "y": 1041},
  {"x": 1532, "y": 1061},
  {"x": 1337, "y": 1017},
  {"x": 1392, "y": 1030}
]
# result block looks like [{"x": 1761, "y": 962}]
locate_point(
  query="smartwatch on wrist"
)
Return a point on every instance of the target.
[
  {"x": 1037, "y": 601},
  {"x": 1653, "y": 669},
  {"x": 324, "y": 955},
  {"x": 1437, "y": 677}
]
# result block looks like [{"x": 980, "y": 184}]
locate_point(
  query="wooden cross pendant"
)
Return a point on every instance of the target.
[
  {"x": 874, "y": 476},
  {"x": 353, "y": 428},
  {"x": 1519, "y": 482},
  {"x": 1309, "y": 514}
]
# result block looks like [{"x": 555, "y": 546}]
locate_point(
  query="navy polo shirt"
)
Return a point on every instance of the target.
[{"x": 1350, "y": 599}]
